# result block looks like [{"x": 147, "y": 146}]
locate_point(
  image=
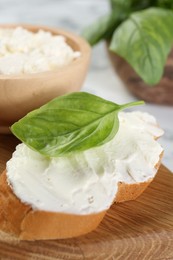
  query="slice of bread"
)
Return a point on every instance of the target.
[{"x": 21, "y": 220}]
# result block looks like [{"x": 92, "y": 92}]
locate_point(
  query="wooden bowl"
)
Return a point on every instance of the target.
[
  {"x": 162, "y": 93},
  {"x": 22, "y": 93}
]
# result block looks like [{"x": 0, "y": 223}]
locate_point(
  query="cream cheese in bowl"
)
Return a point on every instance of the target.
[{"x": 23, "y": 52}]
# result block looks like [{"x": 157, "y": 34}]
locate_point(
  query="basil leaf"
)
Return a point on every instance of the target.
[
  {"x": 103, "y": 28},
  {"x": 70, "y": 123},
  {"x": 145, "y": 40}
]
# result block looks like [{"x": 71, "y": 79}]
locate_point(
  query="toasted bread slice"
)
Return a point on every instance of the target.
[
  {"x": 22, "y": 221},
  {"x": 26, "y": 223}
]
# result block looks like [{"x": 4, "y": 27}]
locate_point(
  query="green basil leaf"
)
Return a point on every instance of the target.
[
  {"x": 103, "y": 28},
  {"x": 145, "y": 40},
  {"x": 70, "y": 123}
]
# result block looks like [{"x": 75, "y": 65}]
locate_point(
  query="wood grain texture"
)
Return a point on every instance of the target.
[{"x": 141, "y": 229}]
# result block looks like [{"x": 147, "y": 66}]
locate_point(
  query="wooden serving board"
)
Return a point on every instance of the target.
[{"x": 141, "y": 229}]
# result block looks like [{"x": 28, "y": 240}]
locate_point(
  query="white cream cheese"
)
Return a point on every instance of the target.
[
  {"x": 87, "y": 182},
  {"x": 22, "y": 51}
]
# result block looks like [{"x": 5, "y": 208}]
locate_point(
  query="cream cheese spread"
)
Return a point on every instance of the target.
[
  {"x": 22, "y": 51},
  {"x": 87, "y": 182}
]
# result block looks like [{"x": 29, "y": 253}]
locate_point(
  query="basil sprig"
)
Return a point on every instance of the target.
[
  {"x": 70, "y": 123},
  {"x": 140, "y": 32}
]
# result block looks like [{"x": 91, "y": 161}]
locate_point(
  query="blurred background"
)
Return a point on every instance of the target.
[{"x": 74, "y": 15}]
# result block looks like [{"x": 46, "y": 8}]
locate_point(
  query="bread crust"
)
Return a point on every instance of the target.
[
  {"x": 22, "y": 221},
  {"x": 12, "y": 211},
  {"x": 132, "y": 191}
]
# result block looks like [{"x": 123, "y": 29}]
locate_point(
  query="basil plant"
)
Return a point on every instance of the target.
[{"x": 139, "y": 31}]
